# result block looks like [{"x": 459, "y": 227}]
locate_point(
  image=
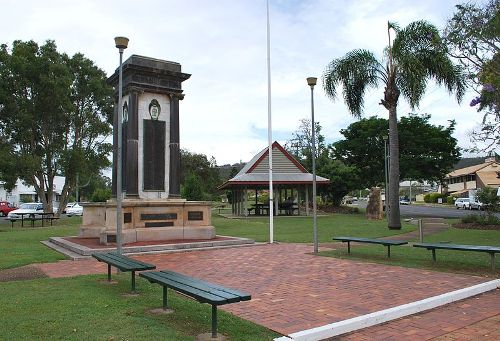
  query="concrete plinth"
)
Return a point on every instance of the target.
[{"x": 148, "y": 220}]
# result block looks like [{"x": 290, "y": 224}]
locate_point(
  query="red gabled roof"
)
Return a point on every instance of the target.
[{"x": 281, "y": 149}]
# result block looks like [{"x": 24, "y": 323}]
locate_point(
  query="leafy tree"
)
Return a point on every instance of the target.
[
  {"x": 343, "y": 178},
  {"x": 473, "y": 38},
  {"x": 198, "y": 165},
  {"x": 300, "y": 145},
  {"x": 416, "y": 55},
  {"x": 192, "y": 188},
  {"x": 363, "y": 147},
  {"x": 488, "y": 196},
  {"x": 55, "y": 114}
]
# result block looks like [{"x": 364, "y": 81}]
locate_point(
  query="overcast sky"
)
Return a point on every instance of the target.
[{"x": 222, "y": 43}]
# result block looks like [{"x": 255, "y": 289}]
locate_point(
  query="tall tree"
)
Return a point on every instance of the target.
[
  {"x": 416, "y": 55},
  {"x": 55, "y": 114},
  {"x": 473, "y": 38},
  {"x": 198, "y": 170},
  {"x": 300, "y": 145},
  {"x": 363, "y": 148}
]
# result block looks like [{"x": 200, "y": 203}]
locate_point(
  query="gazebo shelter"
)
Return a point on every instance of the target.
[{"x": 292, "y": 185}]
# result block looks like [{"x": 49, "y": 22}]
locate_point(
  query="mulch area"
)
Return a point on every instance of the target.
[
  {"x": 472, "y": 226},
  {"x": 21, "y": 273},
  {"x": 94, "y": 243}
]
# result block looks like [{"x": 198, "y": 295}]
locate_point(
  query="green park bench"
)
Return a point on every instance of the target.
[
  {"x": 123, "y": 263},
  {"x": 445, "y": 246},
  {"x": 384, "y": 242},
  {"x": 202, "y": 291}
]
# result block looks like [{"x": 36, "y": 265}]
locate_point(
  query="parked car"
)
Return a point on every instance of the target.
[
  {"x": 476, "y": 205},
  {"x": 5, "y": 208},
  {"x": 30, "y": 208},
  {"x": 76, "y": 209},
  {"x": 404, "y": 201},
  {"x": 463, "y": 203},
  {"x": 68, "y": 205}
]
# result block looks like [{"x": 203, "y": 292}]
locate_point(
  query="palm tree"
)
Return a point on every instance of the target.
[{"x": 416, "y": 55}]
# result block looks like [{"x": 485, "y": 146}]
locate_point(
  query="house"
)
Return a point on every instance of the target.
[
  {"x": 462, "y": 180},
  {"x": 23, "y": 193}
]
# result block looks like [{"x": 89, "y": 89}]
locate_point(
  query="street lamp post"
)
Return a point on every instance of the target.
[
  {"x": 386, "y": 195},
  {"x": 311, "y": 81},
  {"x": 121, "y": 43}
]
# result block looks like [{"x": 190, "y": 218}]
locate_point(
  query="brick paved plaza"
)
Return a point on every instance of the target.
[{"x": 293, "y": 291}]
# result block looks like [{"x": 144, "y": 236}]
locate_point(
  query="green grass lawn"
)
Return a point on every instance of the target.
[
  {"x": 300, "y": 229},
  {"x": 447, "y": 260},
  {"x": 87, "y": 308},
  {"x": 21, "y": 245}
]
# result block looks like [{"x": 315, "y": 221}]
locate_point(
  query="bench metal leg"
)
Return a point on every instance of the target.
[
  {"x": 492, "y": 255},
  {"x": 434, "y": 255},
  {"x": 165, "y": 298},
  {"x": 214, "y": 321},
  {"x": 348, "y": 247},
  {"x": 388, "y": 251},
  {"x": 109, "y": 272},
  {"x": 133, "y": 281}
]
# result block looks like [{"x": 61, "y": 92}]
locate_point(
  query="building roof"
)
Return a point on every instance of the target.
[
  {"x": 468, "y": 170},
  {"x": 286, "y": 170}
]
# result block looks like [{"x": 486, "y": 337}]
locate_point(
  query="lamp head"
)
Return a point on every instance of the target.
[
  {"x": 121, "y": 42},
  {"x": 311, "y": 81}
]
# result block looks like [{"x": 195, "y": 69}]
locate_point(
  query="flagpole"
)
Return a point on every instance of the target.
[{"x": 270, "y": 133}]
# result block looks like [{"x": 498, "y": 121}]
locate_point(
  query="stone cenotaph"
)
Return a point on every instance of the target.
[{"x": 152, "y": 206}]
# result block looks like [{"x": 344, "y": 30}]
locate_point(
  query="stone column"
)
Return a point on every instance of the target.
[
  {"x": 175, "y": 153},
  {"x": 132, "y": 147}
]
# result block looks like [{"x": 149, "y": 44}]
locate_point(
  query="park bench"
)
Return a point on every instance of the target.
[
  {"x": 123, "y": 263},
  {"x": 384, "y": 242},
  {"x": 445, "y": 246},
  {"x": 202, "y": 291}
]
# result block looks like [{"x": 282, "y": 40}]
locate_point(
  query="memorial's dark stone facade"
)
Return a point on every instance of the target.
[{"x": 160, "y": 162}]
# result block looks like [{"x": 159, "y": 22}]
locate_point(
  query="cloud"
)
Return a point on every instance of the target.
[{"x": 223, "y": 45}]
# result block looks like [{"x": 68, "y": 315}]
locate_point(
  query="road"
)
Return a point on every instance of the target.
[{"x": 416, "y": 211}]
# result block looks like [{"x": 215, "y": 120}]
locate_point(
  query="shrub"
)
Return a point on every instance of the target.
[
  {"x": 450, "y": 200},
  {"x": 101, "y": 195},
  {"x": 481, "y": 219},
  {"x": 433, "y": 197}
]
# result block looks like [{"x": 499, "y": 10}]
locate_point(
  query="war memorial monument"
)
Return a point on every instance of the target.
[{"x": 152, "y": 206}]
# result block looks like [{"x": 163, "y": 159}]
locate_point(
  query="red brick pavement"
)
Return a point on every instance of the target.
[{"x": 292, "y": 291}]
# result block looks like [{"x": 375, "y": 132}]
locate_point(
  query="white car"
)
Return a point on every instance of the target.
[
  {"x": 462, "y": 203},
  {"x": 76, "y": 209},
  {"x": 26, "y": 209}
]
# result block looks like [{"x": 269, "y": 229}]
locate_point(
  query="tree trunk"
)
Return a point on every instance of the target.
[{"x": 394, "y": 220}]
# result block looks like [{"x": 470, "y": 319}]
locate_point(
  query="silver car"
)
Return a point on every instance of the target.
[{"x": 463, "y": 203}]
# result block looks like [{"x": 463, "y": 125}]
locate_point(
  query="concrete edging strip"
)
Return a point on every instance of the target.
[{"x": 390, "y": 314}]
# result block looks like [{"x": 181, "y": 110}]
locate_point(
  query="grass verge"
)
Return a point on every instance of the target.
[
  {"x": 447, "y": 260},
  {"x": 85, "y": 308}
]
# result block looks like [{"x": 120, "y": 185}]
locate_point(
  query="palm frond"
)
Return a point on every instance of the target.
[
  {"x": 355, "y": 72},
  {"x": 420, "y": 55}
]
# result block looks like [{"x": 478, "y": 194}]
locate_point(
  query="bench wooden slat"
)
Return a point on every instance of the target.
[
  {"x": 478, "y": 248},
  {"x": 196, "y": 293},
  {"x": 122, "y": 262},
  {"x": 372, "y": 241},
  {"x": 213, "y": 288}
]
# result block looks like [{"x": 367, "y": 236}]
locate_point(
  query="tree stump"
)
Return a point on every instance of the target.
[{"x": 374, "y": 207}]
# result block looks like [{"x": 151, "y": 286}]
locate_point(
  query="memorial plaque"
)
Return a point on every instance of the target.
[
  {"x": 127, "y": 217},
  {"x": 195, "y": 215},
  {"x": 154, "y": 155},
  {"x": 159, "y": 216},
  {"x": 159, "y": 224}
]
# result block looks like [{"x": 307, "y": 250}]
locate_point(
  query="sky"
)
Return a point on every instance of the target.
[{"x": 223, "y": 44}]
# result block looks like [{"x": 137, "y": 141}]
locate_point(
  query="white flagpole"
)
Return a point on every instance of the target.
[{"x": 270, "y": 132}]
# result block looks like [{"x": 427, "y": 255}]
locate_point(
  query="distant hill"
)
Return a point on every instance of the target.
[
  {"x": 471, "y": 161},
  {"x": 226, "y": 172}
]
